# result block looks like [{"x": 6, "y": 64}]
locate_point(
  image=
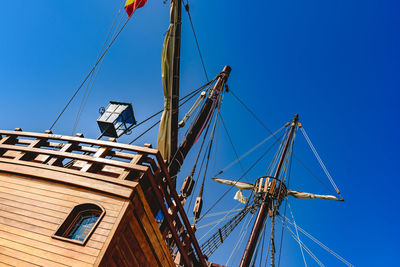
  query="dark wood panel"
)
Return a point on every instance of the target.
[{"x": 144, "y": 215}]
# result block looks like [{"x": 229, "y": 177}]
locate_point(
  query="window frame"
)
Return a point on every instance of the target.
[{"x": 73, "y": 217}]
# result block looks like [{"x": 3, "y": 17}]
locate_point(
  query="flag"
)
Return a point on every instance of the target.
[{"x": 131, "y": 5}]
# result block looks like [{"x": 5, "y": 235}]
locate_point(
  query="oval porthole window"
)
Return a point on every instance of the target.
[{"x": 80, "y": 223}]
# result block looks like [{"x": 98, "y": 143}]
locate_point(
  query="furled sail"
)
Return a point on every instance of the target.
[
  {"x": 304, "y": 195},
  {"x": 249, "y": 186},
  {"x": 164, "y": 133},
  {"x": 239, "y": 185}
]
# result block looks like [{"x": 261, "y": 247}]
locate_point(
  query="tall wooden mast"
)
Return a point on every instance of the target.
[
  {"x": 175, "y": 76},
  {"x": 267, "y": 201}
]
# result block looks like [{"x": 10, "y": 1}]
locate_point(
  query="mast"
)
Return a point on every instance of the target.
[
  {"x": 199, "y": 122},
  {"x": 177, "y": 4},
  {"x": 266, "y": 203}
]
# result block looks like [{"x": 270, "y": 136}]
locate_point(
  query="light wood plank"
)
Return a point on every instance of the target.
[
  {"x": 43, "y": 231},
  {"x": 47, "y": 239},
  {"x": 67, "y": 176},
  {"x": 68, "y": 255},
  {"x": 10, "y": 261},
  {"x": 28, "y": 257}
]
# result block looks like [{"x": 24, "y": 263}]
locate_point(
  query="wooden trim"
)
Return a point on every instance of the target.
[
  {"x": 82, "y": 140},
  {"x": 61, "y": 175},
  {"x": 74, "y": 156}
]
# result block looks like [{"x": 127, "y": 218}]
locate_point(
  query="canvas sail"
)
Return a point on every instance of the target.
[{"x": 164, "y": 133}]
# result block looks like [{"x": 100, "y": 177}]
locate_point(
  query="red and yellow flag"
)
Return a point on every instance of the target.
[{"x": 132, "y": 5}]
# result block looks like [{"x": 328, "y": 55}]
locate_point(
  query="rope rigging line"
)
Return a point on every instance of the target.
[
  {"x": 317, "y": 241},
  {"x": 233, "y": 185},
  {"x": 304, "y": 246},
  {"x": 195, "y": 38},
  {"x": 297, "y": 234},
  {"x": 204, "y": 156},
  {"x": 319, "y": 160},
  {"x": 91, "y": 81},
  {"x": 233, "y": 146},
  {"x": 186, "y": 98},
  {"x": 210, "y": 147},
  {"x": 201, "y": 165},
  {"x": 146, "y": 131},
  {"x": 249, "y": 151},
  {"x": 262, "y": 248},
  {"x": 269, "y": 130},
  {"x": 90, "y": 73},
  {"x": 216, "y": 222},
  {"x": 262, "y": 232},
  {"x": 216, "y": 240},
  {"x": 233, "y": 209},
  {"x": 220, "y": 213},
  {"x": 242, "y": 234}
]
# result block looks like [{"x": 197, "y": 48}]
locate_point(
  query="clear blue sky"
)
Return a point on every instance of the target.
[{"x": 336, "y": 63}]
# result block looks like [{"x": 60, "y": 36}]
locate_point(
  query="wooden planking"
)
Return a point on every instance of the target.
[
  {"x": 143, "y": 213},
  {"x": 138, "y": 239},
  {"x": 54, "y": 258},
  {"x": 48, "y": 233},
  {"x": 106, "y": 252},
  {"x": 48, "y": 240},
  {"x": 70, "y": 254},
  {"x": 121, "y": 188},
  {"x": 34, "y": 191},
  {"x": 106, "y": 222},
  {"x": 134, "y": 231},
  {"x": 10, "y": 261},
  {"x": 27, "y": 257},
  {"x": 55, "y": 187},
  {"x": 31, "y": 210}
]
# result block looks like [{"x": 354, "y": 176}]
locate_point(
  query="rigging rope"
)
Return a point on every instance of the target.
[
  {"x": 304, "y": 246},
  {"x": 221, "y": 212},
  {"x": 233, "y": 147},
  {"x": 242, "y": 234},
  {"x": 212, "y": 243},
  {"x": 233, "y": 185},
  {"x": 319, "y": 160},
  {"x": 195, "y": 38},
  {"x": 269, "y": 130},
  {"x": 187, "y": 97},
  {"x": 90, "y": 84},
  {"x": 317, "y": 241},
  {"x": 297, "y": 234},
  {"x": 90, "y": 73},
  {"x": 249, "y": 151}
]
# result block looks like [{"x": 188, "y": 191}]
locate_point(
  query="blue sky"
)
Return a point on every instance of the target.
[{"x": 336, "y": 63}]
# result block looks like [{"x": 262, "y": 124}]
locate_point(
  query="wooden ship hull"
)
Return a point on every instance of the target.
[{"x": 45, "y": 177}]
